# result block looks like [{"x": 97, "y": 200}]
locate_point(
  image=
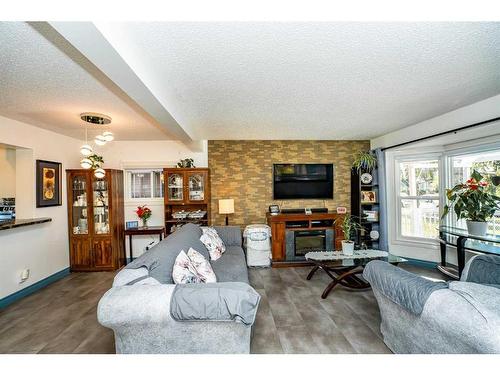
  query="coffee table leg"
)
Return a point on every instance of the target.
[
  {"x": 352, "y": 281},
  {"x": 344, "y": 280},
  {"x": 313, "y": 271},
  {"x": 329, "y": 288}
]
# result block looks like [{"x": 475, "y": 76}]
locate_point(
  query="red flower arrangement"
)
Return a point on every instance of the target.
[
  {"x": 472, "y": 201},
  {"x": 144, "y": 213},
  {"x": 472, "y": 184}
]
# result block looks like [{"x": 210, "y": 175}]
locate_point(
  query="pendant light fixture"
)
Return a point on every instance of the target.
[
  {"x": 86, "y": 149},
  {"x": 86, "y": 163},
  {"x": 100, "y": 140},
  {"x": 99, "y": 173},
  {"x": 92, "y": 160},
  {"x": 108, "y": 136}
]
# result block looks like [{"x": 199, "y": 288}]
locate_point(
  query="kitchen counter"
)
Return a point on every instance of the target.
[{"x": 16, "y": 223}]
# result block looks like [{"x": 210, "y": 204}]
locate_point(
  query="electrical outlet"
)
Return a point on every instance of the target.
[{"x": 25, "y": 275}]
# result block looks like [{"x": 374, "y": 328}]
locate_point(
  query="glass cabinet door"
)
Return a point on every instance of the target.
[
  {"x": 196, "y": 187},
  {"x": 79, "y": 219},
  {"x": 100, "y": 206},
  {"x": 175, "y": 186}
]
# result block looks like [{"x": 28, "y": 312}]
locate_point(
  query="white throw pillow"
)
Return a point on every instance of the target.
[
  {"x": 192, "y": 268},
  {"x": 184, "y": 271},
  {"x": 213, "y": 243},
  {"x": 202, "y": 265}
]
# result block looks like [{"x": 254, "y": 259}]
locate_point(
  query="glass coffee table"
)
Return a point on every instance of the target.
[{"x": 343, "y": 269}]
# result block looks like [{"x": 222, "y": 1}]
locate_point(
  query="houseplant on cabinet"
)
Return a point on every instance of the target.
[
  {"x": 349, "y": 227},
  {"x": 472, "y": 201},
  {"x": 364, "y": 161}
]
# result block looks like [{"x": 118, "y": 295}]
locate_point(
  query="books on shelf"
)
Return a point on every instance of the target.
[{"x": 370, "y": 215}]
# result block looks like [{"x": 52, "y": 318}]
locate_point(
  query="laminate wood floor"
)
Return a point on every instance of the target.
[{"x": 292, "y": 317}]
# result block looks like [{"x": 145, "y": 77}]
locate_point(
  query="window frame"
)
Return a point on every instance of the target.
[
  {"x": 398, "y": 238},
  {"x": 128, "y": 192},
  {"x": 448, "y": 166}
]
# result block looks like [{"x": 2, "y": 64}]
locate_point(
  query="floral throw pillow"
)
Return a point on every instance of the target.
[
  {"x": 192, "y": 268},
  {"x": 203, "y": 267},
  {"x": 213, "y": 243},
  {"x": 184, "y": 271}
]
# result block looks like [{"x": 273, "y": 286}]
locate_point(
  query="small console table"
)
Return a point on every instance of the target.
[
  {"x": 141, "y": 232},
  {"x": 462, "y": 240}
]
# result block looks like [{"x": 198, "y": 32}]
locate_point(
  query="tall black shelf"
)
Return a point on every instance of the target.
[{"x": 363, "y": 239}]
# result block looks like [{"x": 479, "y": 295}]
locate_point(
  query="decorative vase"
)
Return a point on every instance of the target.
[
  {"x": 477, "y": 228},
  {"x": 144, "y": 223},
  {"x": 348, "y": 247}
]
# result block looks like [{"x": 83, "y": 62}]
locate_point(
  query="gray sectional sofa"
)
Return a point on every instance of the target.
[
  {"x": 422, "y": 316},
  {"x": 150, "y": 314}
]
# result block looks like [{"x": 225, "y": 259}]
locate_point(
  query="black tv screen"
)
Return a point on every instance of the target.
[{"x": 303, "y": 181}]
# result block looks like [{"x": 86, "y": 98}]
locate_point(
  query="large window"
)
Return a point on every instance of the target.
[
  {"x": 418, "y": 198},
  {"x": 488, "y": 164},
  {"x": 145, "y": 184}
]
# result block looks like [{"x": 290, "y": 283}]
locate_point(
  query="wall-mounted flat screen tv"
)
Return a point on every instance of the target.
[{"x": 303, "y": 181}]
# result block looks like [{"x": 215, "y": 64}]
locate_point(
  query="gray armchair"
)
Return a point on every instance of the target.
[{"x": 422, "y": 316}]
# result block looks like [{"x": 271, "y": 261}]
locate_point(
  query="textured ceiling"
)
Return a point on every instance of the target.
[
  {"x": 48, "y": 84},
  {"x": 254, "y": 80},
  {"x": 309, "y": 80}
]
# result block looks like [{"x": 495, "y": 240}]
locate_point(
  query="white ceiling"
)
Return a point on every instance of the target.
[
  {"x": 257, "y": 80},
  {"x": 48, "y": 84},
  {"x": 310, "y": 80}
]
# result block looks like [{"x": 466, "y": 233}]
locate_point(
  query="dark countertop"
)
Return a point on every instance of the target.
[{"x": 10, "y": 224}]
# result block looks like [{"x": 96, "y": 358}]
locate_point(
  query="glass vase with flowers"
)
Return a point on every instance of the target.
[{"x": 144, "y": 213}]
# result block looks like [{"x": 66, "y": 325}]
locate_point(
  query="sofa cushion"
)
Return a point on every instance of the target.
[
  {"x": 230, "y": 234},
  {"x": 184, "y": 271},
  {"x": 202, "y": 266},
  {"x": 235, "y": 250},
  {"x": 482, "y": 269},
  {"x": 144, "y": 280},
  {"x": 485, "y": 299},
  {"x": 406, "y": 289},
  {"x": 231, "y": 266},
  {"x": 213, "y": 243},
  {"x": 217, "y": 302},
  {"x": 160, "y": 259}
]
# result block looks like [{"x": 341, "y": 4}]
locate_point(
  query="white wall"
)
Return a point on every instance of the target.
[
  {"x": 7, "y": 172},
  {"x": 147, "y": 154},
  {"x": 42, "y": 248},
  {"x": 122, "y": 154},
  {"x": 480, "y": 111}
]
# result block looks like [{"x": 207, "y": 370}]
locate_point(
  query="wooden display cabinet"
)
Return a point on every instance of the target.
[
  {"x": 95, "y": 220},
  {"x": 186, "y": 189}
]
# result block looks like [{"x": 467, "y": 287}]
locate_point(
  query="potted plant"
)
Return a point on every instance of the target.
[
  {"x": 144, "y": 213},
  {"x": 349, "y": 227},
  {"x": 472, "y": 201},
  {"x": 364, "y": 160},
  {"x": 186, "y": 163}
]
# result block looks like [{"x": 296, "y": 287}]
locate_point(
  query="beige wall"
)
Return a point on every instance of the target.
[
  {"x": 242, "y": 170},
  {"x": 7, "y": 172}
]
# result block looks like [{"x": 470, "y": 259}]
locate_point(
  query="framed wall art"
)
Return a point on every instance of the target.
[
  {"x": 368, "y": 196},
  {"x": 48, "y": 183}
]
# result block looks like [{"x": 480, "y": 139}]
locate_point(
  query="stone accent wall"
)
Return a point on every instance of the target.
[{"x": 242, "y": 170}]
